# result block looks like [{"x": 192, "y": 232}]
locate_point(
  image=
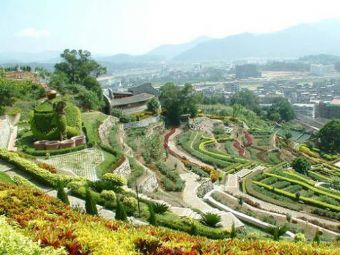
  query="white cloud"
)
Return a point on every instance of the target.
[{"x": 32, "y": 32}]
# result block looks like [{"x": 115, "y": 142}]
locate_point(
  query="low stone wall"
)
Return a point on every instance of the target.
[
  {"x": 149, "y": 184},
  {"x": 124, "y": 169},
  {"x": 142, "y": 123}
]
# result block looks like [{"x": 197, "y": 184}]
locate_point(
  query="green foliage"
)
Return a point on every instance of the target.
[
  {"x": 301, "y": 165},
  {"x": 247, "y": 99},
  {"x": 47, "y": 124},
  {"x": 41, "y": 153},
  {"x": 78, "y": 66},
  {"x": 210, "y": 219},
  {"x": 136, "y": 171},
  {"x": 171, "y": 180},
  {"x": 40, "y": 174},
  {"x": 317, "y": 236},
  {"x": 329, "y": 136},
  {"x": 154, "y": 105},
  {"x": 14, "y": 242},
  {"x": 233, "y": 232},
  {"x": 152, "y": 148},
  {"x": 152, "y": 216},
  {"x": 120, "y": 212},
  {"x": 90, "y": 203},
  {"x": 277, "y": 231},
  {"x": 300, "y": 237},
  {"x": 280, "y": 110},
  {"x": 76, "y": 75},
  {"x": 12, "y": 90},
  {"x": 130, "y": 204},
  {"x": 177, "y": 101},
  {"x": 61, "y": 194},
  {"x": 160, "y": 208}
]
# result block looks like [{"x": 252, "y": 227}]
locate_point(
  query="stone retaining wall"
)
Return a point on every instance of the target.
[{"x": 124, "y": 169}]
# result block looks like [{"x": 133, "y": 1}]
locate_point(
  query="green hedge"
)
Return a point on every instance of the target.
[
  {"x": 34, "y": 152},
  {"x": 302, "y": 198},
  {"x": 303, "y": 184},
  {"x": 185, "y": 141}
]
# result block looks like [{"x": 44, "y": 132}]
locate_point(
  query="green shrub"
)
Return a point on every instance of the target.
[
  {"x": 171, "y": 180},
  {"x": 120, "y": 212},
  {"x": 40, "y": 153},
  {"x": 61, "y": 194},
  {"x": 210, "y": 219},
  {"x": 90, "y": 203}
]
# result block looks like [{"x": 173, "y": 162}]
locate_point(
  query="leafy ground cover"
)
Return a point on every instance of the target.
[{"x": 76, "y": 233}]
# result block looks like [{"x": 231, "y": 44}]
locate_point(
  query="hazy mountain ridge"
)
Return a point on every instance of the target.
[{"x": 306, "y": 39}]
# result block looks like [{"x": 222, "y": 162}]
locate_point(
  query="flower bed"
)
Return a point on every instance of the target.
[{"x": 60, "y": 227}]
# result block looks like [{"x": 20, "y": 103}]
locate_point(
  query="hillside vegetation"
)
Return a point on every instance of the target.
[{"x": 46, "y": 221}]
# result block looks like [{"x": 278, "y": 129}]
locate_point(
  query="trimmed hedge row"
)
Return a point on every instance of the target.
[
  {"x": 40, "y": 174},
  {"x": 302, "y": 198},
  {"x": 35, "y": 152},
  {"x": 318, "y": 176},
  {"x": 316, "y": 190},
  {"x": 184, "y": 142},
  {"x": 228, "y": 158}
]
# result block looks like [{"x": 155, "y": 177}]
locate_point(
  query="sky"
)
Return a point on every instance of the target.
[{"x": 137, "y": 26}]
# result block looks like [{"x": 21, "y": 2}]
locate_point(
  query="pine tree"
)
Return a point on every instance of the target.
[
  {"x": 61, "y": 194},
  {"x": 90, "y": 204},
  {"x": 152, "y": 216},
  {"x": 120, "y": 211}
]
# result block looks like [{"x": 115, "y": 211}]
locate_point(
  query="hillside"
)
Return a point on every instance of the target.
[{"x": 305, "y": 39}]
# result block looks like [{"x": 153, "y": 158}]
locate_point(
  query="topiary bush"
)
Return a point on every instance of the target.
[{"x": 46, "y": 124}]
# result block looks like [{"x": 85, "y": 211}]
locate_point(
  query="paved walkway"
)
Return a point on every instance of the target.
[
  {"x": 190, "y": 197},
  {"x": 173, "y": 146}
]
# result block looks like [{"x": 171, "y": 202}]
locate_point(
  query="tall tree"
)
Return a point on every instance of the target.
[
  {"x": 177, "y": 101},
  {"x": 281, "y": 110},
  {"x": 78, "y": 65}
]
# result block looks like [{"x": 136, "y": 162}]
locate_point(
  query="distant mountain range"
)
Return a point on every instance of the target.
[{"x": 306, "y": 39}]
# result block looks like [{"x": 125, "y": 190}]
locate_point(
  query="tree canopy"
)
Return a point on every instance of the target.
[
  {"x": 280, "y": 110},
  {"x": 177, "y": 100},
  {"x": 78, "y": 65},
  {"x": 247, "y": 99},
  {"x": 329, "y": 137},
  {"x": 77, "y": 74}
]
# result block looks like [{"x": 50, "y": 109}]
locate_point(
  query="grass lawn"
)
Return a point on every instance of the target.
[{"x": 91, "y": 122}]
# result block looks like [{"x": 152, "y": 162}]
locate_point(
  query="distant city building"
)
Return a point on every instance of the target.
[
  {"x": 247, "y": 71},
  {"x": 329, "y": 110},
  {"x": 321, "y": 70},
  {"x": 232, "y": 87},
  {"x": 305, "y": 109}
]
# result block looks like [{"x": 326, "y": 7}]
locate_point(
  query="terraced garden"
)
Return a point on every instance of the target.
[
  {"x": 202, "y": 147},
  {"x": 288, "y": 188}
]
